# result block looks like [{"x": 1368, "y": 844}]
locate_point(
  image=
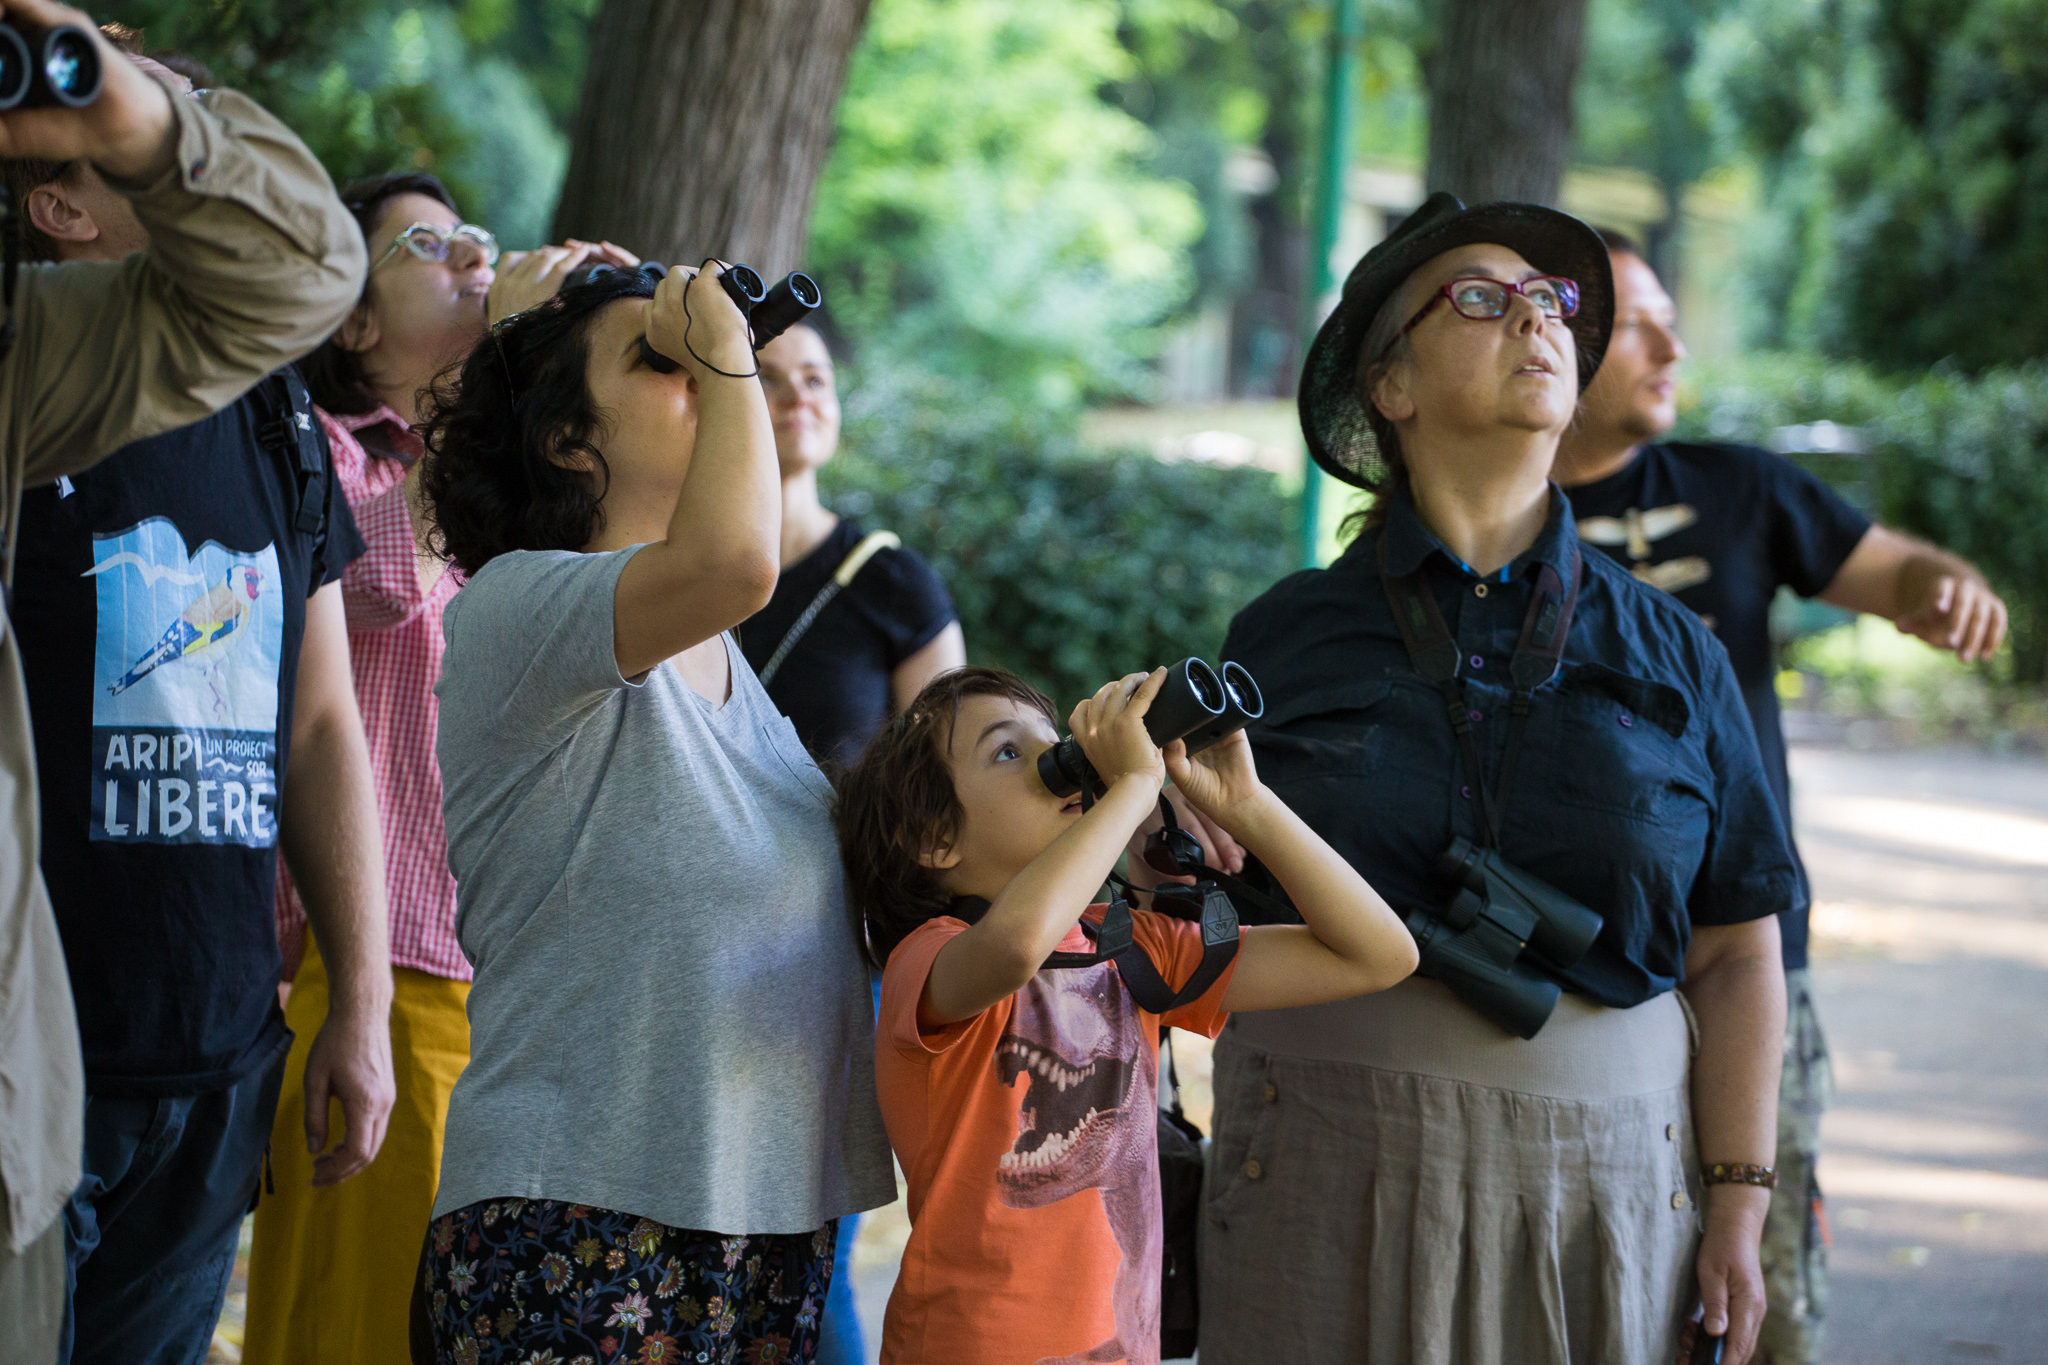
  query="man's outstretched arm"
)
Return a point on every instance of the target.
[{"x": 1924, "y": 590}]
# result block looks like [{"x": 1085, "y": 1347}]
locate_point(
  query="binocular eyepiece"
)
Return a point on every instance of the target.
[
  {"x": 1197, "y": 704},
  {"x": 41, "y": 67},
  {"x": 769, "y": 310},
  {"x": 1475, "y": 943}
]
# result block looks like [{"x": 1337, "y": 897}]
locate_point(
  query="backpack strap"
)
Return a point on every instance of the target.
[
  {"x": 294, "y": 436},
  {"x": 872, "y": 544}
]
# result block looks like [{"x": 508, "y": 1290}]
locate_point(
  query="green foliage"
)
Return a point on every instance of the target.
[
  {"x": 1068, "y": 567},
  {"x": 1634, "y": 104},
  {"x": 1893, "y": 688},
  {"x": 1906, "y": 172},
  {"x": 1958, "y": 460},
  {"x": 472, "y": 92},
  {"x": 984, "y": 211}
]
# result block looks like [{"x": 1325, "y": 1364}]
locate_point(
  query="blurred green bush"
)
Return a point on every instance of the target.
[
  {"x": 1069, "y": 567},
  {"x": 1959, "y": 460}
]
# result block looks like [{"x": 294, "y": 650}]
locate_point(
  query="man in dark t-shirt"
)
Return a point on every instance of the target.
[
  {"x": 1722, "y": 528},
  {"x": 179, "y": 616}
]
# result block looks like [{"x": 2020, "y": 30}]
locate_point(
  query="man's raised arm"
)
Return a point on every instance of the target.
[{"x": 252, "y": 262}]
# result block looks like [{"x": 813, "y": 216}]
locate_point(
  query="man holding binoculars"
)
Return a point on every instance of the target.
[{"x": 252, "y": 260}]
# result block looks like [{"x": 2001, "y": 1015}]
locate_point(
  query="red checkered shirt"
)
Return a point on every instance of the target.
[{"x": 395, "y": 644}]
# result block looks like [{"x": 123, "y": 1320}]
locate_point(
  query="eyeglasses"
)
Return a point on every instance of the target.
[
  {"x": 430, "y": 242},
  {"x": 1480, "y": 299}
]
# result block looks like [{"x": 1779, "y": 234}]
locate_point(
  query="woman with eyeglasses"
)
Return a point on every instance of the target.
[
  {"x": 670, "y": 1098},
  {"x": 322, "y": 1286},
  {"x": 1552, "y": 1145}
]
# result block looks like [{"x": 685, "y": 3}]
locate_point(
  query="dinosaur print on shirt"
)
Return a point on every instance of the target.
[{"x": 185, "y": 682}]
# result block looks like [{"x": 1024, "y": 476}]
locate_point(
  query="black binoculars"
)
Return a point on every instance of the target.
[
  {"x": 1474, "y": 944},
  {"x": 40, "y": 67},
  {"x": 1197, "y": 704},
  {"x": 769, "y": 311}
]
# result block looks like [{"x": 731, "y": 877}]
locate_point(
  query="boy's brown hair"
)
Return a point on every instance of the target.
[{"x": 897, "y": 803}]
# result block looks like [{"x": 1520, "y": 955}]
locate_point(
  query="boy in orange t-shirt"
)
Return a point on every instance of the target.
[{"x": 1022, "y": 1100}]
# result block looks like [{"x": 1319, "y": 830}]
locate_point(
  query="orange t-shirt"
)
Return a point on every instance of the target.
[{"x": 1030, "y": 1138}]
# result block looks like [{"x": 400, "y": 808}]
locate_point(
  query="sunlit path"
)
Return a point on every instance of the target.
[{"x": 1930, "y": 934}]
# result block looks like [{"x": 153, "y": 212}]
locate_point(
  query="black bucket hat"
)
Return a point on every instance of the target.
[{"x": 1333, "y": 413}]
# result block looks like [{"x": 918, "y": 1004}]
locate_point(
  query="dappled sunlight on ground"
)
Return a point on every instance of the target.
[{"x": 1930, "y": 956}]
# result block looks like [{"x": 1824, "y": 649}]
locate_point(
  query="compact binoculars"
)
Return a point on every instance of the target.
[
  {"x": 1474, "y": 944},
  {"x": 1198, "y": 704},
  {"x": 40, "y": 67},
  {"x": 770, "y": 311}
]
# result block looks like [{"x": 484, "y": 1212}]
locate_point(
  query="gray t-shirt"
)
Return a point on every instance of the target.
[{"x": 670, "y": 1016}]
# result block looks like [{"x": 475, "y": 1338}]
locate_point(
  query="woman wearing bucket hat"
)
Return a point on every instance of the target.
[{"x": 1551, "y": 1145}]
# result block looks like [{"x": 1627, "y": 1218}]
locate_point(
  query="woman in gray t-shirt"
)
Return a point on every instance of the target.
[{"x": 670, "y": 1097}]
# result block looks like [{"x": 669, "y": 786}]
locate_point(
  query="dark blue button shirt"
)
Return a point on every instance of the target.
[{"x": 1639, "y": 789}]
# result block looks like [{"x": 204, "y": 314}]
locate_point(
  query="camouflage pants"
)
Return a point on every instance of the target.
[{"x": 1795, "y": 1254}]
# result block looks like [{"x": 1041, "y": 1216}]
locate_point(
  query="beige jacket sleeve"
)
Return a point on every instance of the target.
[{"x": 252, "y": 262}]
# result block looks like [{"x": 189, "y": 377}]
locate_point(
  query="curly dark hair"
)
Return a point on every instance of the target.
[
  {"x": 897, "y": 802},
  {"x": 513, "y": 461},
  {"x": 334, "y": 374}
]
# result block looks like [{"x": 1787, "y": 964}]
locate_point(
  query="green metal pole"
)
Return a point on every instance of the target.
[{"x": 1340, "y": 109}]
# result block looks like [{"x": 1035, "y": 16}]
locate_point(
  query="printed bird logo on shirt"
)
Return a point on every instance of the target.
[
  {"x": 1637, "y": 528},
  {"x": 204, "y": 633}
]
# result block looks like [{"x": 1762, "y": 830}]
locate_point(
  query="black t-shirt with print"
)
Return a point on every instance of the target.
[
  {"x": 834, "y": 686},
  {"x": 160, "y": 601},
  {"x": 1721, "y": 527}
]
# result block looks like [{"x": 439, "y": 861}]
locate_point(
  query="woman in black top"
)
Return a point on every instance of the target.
[
  {"x": 1489, "y": 1174},
  {"x": 878, "y": 640}
]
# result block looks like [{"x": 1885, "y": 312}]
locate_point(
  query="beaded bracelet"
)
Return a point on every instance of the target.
[{"x": 1739, "y": 1173}]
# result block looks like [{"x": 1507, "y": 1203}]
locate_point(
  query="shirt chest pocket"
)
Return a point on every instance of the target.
[
  {"x": 1624, "y": 750},
  {"x": 1361, "y": 741}
]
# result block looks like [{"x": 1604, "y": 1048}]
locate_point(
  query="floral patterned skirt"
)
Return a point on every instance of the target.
[{"x": 540, "y": 1282}]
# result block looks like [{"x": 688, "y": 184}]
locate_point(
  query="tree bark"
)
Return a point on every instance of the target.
[
  {"x": 703, "y": 127},
  {"x": 1500, "y": 98},
  {"x": 1265, "y": 326}
]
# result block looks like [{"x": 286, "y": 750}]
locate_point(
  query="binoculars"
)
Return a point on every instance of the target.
[
  {"x": 40, "y": 67},
  {"x": 769, "y": 311},
  {"x": 1197, "y": 704},
  {"x": 1474, "y": 944}
]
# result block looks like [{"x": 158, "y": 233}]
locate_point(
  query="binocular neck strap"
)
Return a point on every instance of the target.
[
  {"x": 1434, "y": 654},
  {"x": 1113, "y": 943}
]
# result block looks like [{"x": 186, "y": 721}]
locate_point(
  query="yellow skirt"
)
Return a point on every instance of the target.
[{"x": 330, "y": 1272}]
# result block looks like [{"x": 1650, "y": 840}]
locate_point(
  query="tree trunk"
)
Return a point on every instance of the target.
[
  {"x": 1265, "y": 326},
  {"x": 704, "y": 125},
  {"x": 1500, "y": 98}
]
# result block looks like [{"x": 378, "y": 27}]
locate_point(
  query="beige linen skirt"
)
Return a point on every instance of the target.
[{"x": 1394, "y": 1181}]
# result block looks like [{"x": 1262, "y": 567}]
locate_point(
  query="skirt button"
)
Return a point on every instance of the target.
[
  {"x": 1272, "y": 1093},
  {"x": 1252, "y": 1171}
]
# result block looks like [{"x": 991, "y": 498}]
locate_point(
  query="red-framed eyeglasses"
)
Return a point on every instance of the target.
[{"x": 1481, "y": 299}]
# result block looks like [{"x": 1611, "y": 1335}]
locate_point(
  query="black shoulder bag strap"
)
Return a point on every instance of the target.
[
  {"x": 870, "y": 545},
  {"x": 293, "y": 436},
  {"x": 1436, "y": 659}
]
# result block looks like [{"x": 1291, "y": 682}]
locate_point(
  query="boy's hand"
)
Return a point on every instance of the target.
[
  {"x": 1111, "y": 728},
  {"x": 1220, "y": 781},
  {"x": 716, "y": 329}
]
